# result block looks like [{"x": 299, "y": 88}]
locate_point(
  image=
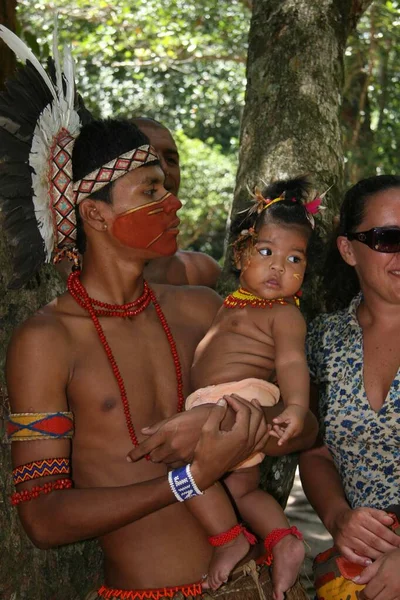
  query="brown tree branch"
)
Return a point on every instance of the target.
[{"x": 358, "y": 8}]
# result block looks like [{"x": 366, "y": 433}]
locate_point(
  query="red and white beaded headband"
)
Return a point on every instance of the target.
[{"x": 113, "y": 170}]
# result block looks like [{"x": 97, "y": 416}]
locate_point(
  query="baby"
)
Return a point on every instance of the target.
[{"x": 257, "y": 338}]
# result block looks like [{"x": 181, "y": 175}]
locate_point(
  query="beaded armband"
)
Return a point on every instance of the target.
[
  {"x": 182, "y": 484},
  {"x": 41, "y": 468},
  {"x": 25, "y": 427},
  {"x": 35, "y": 492}
]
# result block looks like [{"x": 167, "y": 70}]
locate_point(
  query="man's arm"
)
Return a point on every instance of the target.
[
  {"x": 173, "y": 440},
  {"x": 38, "y": 372}
]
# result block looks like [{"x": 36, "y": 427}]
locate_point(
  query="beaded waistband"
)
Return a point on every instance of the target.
[{"x": 188, "y": 591}]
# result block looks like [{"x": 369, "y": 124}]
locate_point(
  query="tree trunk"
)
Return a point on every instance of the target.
[{"x": 290, "y": 123}]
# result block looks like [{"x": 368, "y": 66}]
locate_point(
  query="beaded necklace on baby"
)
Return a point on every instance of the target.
[{"x": 241, "y": 298}]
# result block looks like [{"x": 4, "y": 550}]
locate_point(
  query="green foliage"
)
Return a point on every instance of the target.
[
  {"x": 371, "y": 105},
  {"x": 182, "y": 62},
  {"x": 208, "y": 179}
]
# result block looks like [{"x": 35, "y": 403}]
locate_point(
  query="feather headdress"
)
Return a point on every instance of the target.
[
  {"x": 37, "y": 113},
  {"x": 40, "y": 117}
]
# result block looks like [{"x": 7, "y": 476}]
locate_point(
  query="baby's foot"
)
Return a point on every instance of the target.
[
  {"x": 288, "y": 556},
  {"x": 223, "y": 560}
]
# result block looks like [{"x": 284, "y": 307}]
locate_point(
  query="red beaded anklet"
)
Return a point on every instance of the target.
[
  {"x": 131, "y": 309},
  {"x": 275, "y": 536},
  {"x": 26, "y": 495},
  {"x": 227, "y": 536}
]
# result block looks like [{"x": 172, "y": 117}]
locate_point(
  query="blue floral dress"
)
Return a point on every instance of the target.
[{"x": 365, "y": 444}]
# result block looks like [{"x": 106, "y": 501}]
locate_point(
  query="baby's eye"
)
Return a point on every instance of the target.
[
  {"x": 265, "y": 251},
  {"x": 150, "y": 192},
  {"x": 294, "y": 259}
]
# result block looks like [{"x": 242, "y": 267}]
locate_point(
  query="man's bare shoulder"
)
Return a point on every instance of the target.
[
  {"x": 184, "y": 268},
  {"x": 201, "y": 268},
  {"x": 44, "y": 329},
  {"x": 189, "y": 301}
]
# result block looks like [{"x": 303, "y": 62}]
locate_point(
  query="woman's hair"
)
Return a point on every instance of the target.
[
  {"x": 99, "y": 142},
  {"x": 340, "y": 281}
]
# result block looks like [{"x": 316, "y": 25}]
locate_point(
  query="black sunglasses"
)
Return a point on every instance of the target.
[{"x": 381, "y": 239}]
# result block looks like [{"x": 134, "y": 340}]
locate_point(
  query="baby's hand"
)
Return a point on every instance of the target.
[{"x": 289, "y": 424}]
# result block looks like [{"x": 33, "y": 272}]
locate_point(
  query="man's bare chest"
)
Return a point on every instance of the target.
[{"x": 141, "y": 358}]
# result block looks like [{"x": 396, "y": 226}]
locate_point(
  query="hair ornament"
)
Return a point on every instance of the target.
[
  {"x": 242, "y": 241},
  {"x": 314, "y": 206},
  {"x": 262, "y": 203}
]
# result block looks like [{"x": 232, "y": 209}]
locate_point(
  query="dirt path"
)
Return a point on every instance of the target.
[{"x": 301, "y": 514}]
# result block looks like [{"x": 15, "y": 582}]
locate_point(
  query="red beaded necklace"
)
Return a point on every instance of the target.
[{"x": 131, "y": 309}]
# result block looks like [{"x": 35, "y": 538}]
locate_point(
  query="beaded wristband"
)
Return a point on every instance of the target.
[
  {"x": 37, "y": 490},
  {"x": 182, "y": 484},
  {"x": 228, "y": 536},
  {"x": 275, "y": 536}
]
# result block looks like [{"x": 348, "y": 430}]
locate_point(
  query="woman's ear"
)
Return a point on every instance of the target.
[
  {"x": 92, "y": 213},
  {"x": 345, "y": 248}
]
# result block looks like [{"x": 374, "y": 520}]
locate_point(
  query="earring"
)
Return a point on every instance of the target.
[{"x": 105, "y": 226}]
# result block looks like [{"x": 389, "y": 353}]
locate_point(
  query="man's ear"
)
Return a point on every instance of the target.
[
  {"x": 345, "y": 248},
  {"x": 92, "y": 212}
]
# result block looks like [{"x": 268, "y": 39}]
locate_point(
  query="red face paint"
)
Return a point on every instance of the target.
[{"x": 152, "y": 226}]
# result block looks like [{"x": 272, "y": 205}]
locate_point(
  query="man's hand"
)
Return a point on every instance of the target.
[
  {"x": 218, "y": 451},
  {"x": 173, "y": 440},
  {"x": 289, "y": 423},
  {"x": 382, "y": 578},
  {"x": 362, "y": 534}
]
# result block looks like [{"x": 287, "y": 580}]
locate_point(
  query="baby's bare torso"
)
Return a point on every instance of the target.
[{"x": 238, "y": 345}]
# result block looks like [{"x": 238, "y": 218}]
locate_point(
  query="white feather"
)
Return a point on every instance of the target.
[
  {"x": 24, "y": 53},
  {"x": 69, "y": 75},
  {"x": 56, "y": 58}
]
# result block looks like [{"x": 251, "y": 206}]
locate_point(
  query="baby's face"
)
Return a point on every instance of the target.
[{"x": 275, "y": 266}]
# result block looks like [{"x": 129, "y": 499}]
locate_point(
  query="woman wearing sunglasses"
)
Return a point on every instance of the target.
[{"x": 352, "y": 478}]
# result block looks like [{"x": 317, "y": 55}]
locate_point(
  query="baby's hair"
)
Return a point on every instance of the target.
[{"x": 288, "y": 210}]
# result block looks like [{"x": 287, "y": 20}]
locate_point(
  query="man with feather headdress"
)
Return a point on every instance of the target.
[{"x": 90, "y": 372}]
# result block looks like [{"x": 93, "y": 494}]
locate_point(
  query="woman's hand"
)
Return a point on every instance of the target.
[
  {"x": 382, "y": 578},
  {"x": 218, "y": 451},
  {"x": 362, "y": 534}
]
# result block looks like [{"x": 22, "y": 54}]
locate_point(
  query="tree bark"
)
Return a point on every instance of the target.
[{"x": 290, "y": 124}]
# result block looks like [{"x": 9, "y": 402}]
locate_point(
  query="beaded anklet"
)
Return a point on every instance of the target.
[
  {"x": 275, "y": 536},
  {"x": 228, "y": 536},
  {"x": 26, "y": 495}
]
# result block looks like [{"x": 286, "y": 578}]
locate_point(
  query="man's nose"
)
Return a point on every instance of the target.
[{"x": 172, "y": 204}]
